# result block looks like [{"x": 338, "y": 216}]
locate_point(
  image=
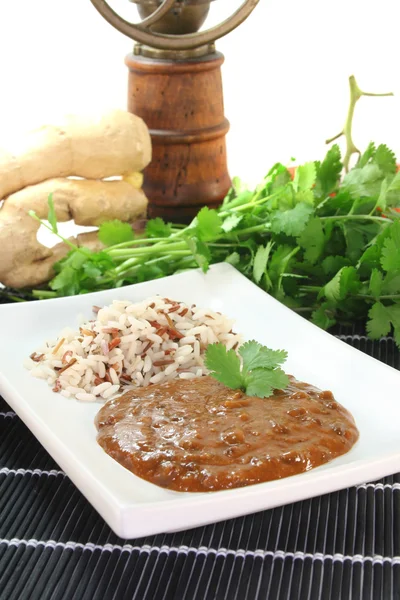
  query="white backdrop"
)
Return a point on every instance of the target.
[{"x": 285, "y": 74}]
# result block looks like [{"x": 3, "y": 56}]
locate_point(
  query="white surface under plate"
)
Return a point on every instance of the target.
[{"x": 133, "y": 507}]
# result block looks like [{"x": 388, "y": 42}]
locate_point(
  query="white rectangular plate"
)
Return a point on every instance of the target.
[{"x": 133, "y": 507}]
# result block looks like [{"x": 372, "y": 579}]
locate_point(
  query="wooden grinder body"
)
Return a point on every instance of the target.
[{"x": 182, "y": 104}]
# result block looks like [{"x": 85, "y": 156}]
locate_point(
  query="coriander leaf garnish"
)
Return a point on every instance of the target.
[
  {"x": 258, "y": 375},
  {"x": 224, "y": 365},
  {"x": 257, "y": 356},
  {"x": 262, "y": 382}
]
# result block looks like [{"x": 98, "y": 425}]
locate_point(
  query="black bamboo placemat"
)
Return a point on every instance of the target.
[{"x": 53, "y": 545}]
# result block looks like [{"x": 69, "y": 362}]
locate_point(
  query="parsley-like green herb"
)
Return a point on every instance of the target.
[
  {"x": 256, "y": 372},
  {"x": 156, "y": 228},
  {"x": 115, "y": 232},
  {"x": 325, "y": 242}
]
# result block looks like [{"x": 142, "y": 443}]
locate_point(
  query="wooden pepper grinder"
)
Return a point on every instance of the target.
[{"x": 175, "y": 85}]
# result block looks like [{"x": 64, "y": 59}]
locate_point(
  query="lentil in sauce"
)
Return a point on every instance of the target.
[{"x": 199, "y": 436}]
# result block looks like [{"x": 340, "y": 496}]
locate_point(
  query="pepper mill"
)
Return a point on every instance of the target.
[{"x": 175, "y": 85}]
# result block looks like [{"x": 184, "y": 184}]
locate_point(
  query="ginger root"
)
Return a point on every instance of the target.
[
  {"x": 25, "y": 262},
  {"x": 116, "y": 144},
  {"x": 50, "y": 160}
]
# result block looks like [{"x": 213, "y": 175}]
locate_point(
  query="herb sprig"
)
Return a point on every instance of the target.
[{"x": 256, "y": 370}]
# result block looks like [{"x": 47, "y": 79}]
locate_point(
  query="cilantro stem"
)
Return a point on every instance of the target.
[
  {"x": 12, "y": 297},
  {"x": 140, "y": 240},
  {"x": 50, "y": 228},
  {"x": 218, "y": 245},
  {"x": 357, "y": 218},
  {"x": 355, "y": 94},
  {"x": 131, "y": 267},
  {"x": 44, "y": 294},
  {"x": 145, "y": 251},
  {"x": 310, "y": 288},
  {"x": 255, "y": 229},
  {"x": 255, "y": 201},
  {"x": 387, "y": 297}
]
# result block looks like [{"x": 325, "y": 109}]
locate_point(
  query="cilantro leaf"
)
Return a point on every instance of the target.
[
  {"x": 366, "y": 156},
  {"x": 323, "y": 316},
  {"x": 66, "y": 280},
  {"x": 382, "y": 202},
  {"x": 349, "y": 282},
  {"x": 224, "y": 366},
  {"x": 345, "y": 282},
  {"x": 390, "y": 258},
  {"x": 201, "y": 253},
  {"x": 256, "y": 356},
  {"x": 260, "y": 374},
  {"x": 262, "y": 382},
  {"x": 115, "y": 232},
  {"x": 371, "y": 257},
  {"x": 375, "y": 283},
  {"x": 328, "y": 172},
  {"x": 231, "y": 222},
  {"x": 305, "y": 177},
  {"x": 208, "y": 224},
  {"x": 385, "y": 159},
  {"x": 261, "y": 261},
  {"x": 233, "y": 259},
  {"x": 391, "y": 283},
  {"x": 80, "y": 271},
  {"x": 379, "y": 323},
  {"x": 292, "y": 222},
  {"x": 332, "y": 288},
  {"x": 157, "y": 228},
  {"x": 364, "y": 182},
  {"x": 51, "y": 215},
  {"x": 394, "y": 312},
  {"x": 332, "y": 264},
  {"x": 312, "y": 240},
  {"x": 392, "y": 193},
  {"x": 381, "y": 319},
  {"x": 305, "y": 196},
  {"x": 358, "y": 236}
]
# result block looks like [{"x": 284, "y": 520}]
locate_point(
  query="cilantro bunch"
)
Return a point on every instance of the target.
[
  {"x": 325, "y": 243},
  {"x": 255, "y": 371}
]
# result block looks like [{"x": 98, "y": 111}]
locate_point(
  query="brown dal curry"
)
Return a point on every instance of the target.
[{"x": 199, "y": 436}]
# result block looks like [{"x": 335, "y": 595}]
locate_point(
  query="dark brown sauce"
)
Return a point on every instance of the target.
[{"x": 199, "y": 436}]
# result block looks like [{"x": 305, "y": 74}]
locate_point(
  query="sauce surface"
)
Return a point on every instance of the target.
[{"x": 199, "y": 436}]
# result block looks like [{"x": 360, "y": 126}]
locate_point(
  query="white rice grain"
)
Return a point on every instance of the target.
[
  {"x": 102, "y": 387},
  {"x": 84, "y": 397},
  {"x": 114, "y": 376},
  {"x": 111, "y": 390}
]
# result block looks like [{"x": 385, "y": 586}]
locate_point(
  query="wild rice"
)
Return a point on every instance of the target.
[{"x": 129, "y": 345}]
